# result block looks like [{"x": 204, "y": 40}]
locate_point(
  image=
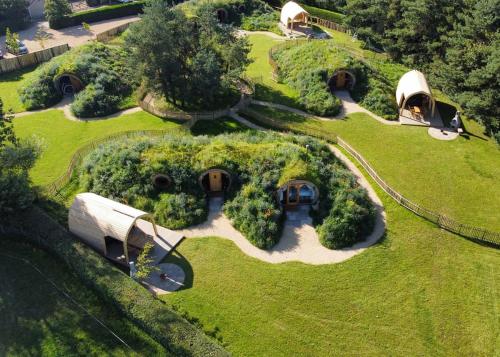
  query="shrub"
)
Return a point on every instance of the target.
[
  {"x": 266, "y": 21},
  {"x": 99, "y": 14},
  {"x": 255, "y": 213},
  {"x": 97, "y": 99},
  {"x": 38, "y": 91},
  {"x": 176, "y": 211},
  {"x": 350, "y": 220}
]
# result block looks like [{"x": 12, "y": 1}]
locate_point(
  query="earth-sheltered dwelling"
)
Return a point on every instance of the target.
[
  {"x": 68, "y": 83},
  {"x": 414, "y": 97},
  {"x": 342, "y": 79},
  {"x": 293, "y": 16},
  {"x": 260, "y": 176},
  {"x": 117, "y": 231}
]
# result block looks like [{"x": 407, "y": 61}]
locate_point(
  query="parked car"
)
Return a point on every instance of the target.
[
  {"x": 125, "y": 1},
  {"x": 22, "y": 49}
]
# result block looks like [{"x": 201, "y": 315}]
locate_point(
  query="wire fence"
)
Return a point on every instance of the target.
[{"x": 437, "y": 218}]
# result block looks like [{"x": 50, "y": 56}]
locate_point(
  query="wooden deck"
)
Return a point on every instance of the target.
[{"x": 407, "y": 118}]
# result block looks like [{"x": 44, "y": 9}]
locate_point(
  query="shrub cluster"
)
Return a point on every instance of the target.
[
  {"x": 262, "y": 20},
  {"x": 102, "y": 70},
  {"x": 125, "y": 171},
  {"x": 99, "y": 14}
]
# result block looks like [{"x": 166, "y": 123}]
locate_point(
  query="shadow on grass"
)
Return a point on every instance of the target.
[
  {"x": 218, "y": 126},
  {"x": 266, "y": 93},
  {"x": 178, "y": 259}
]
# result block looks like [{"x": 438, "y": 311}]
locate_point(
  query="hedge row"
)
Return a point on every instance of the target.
[
  {"x": 135, "y": 302},
  {"x": 99, "y": 14}
]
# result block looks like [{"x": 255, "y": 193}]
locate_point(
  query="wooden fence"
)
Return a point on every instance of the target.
[
  {"x": 31, "y": 59},
  {"x": 329, "y": 24},
  {"x": 441, "y": 220},
  {"x": 108, "y": 35},
  {"x": 246, "y": 86}
]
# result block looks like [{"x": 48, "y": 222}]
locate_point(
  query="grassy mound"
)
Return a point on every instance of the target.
[
  {"x": 308, "y": 66},
  {"x": 126, "y": 172},
  {"x": 101, "y": 70}
]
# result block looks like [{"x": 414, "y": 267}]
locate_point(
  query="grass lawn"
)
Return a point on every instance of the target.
[
  {"x": 36, "y": 319},
  {"x": 216, "y": 127},
  {"x": 459, "y": 178},
  {"x": 62, "y": 137},
  {"x": 421, "y": 291},
  {"x": 9, "y": 83},
  {"x": 260, "y": 70}
]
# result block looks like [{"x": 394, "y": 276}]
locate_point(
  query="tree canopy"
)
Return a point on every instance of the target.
[
  {"x": 190, "y": 61},
  {"x": 456, "y": 42},
  {"x": 13, "y": 14}
]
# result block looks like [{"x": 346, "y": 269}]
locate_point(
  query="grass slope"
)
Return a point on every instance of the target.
[
  {"x": 62, "y": 137},
  {"x": 36, "y": 319},
  {"x": 421, "y": 291}
]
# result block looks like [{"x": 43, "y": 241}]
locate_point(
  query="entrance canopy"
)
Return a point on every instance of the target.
[
  {"x": 412, "y": 84},
  {"x": 293, "y": 12}
]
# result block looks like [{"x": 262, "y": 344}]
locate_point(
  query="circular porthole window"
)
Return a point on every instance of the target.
[{"x": 161, "y": 182}]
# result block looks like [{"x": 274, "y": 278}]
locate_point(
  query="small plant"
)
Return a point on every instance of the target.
[
  {"x": 12, "y": 41},
  {"x": 145, "y": 263}
]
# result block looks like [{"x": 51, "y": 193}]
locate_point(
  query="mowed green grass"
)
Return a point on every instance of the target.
[
  {"x": 216, "y": 127},
  {"x": 9, "y": 84},
  {"x": 419, "y": 292},
  {"x": 458, "y": 178},
  {"x": 61, "y": 137},
  {"x": 261, "y": 71},
  {"x": 38, "y": 320}
]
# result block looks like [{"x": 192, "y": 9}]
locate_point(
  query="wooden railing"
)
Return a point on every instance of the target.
[{"x": 441, "y": 220}]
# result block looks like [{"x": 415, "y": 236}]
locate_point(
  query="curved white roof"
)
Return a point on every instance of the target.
[
  {"x": 92, "y": 216},
  {"x": 412, "y": 83},
  {"x": 290, "y": 11}
]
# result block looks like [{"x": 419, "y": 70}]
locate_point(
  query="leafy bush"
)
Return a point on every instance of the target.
[
  {"x": 262, "y": 21},
  {"x": 255, "y": 213},
  {"x": 350, "y": 220},
  {"x": 176, "y": 211},
  {"x": 97, "y": 99}
]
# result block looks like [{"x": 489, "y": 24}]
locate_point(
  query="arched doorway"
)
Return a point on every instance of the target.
[
  {"x": 341, "y": 80},
  {"x": 222, "y": 15},
  {"x": 215, "y": 181},
  {"x": 297, "y": 193},
  {"x": 68, "y": 84}
]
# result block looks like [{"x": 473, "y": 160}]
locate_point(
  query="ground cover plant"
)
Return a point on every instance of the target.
[
  {"x": 308, "y": 66},
  {"x": 126, "y": 171},
  {"x": 101, "y": 69},
  {"x": 54, "y": 325}
]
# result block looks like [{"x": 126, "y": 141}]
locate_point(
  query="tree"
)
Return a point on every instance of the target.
[
  {"x": 56, "y": 10},
  {"x": 13, "y": 14},
  {"x": 16, "y": 158},
  {"x": 145, "y": 264},
  {"x": 12, "y": 41},
  {"x": 190, "y": 61}
]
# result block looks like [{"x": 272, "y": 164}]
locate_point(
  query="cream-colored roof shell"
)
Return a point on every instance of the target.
[
  {"x": 410, "y": 84},
  {"x": 290, "y": 11},
  {"x": 92, "y": 218}
]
